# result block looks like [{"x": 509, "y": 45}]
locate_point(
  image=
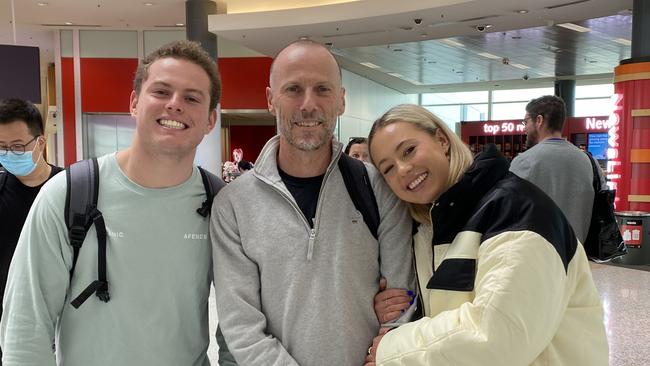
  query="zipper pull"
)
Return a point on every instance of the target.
[{"x": 310, "y": 248}]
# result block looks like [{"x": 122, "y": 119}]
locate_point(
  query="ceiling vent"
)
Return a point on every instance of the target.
[
  {"x": 352, "y": 34},
  {"x": 478, "y": 18},
  {"x": 566, "y": 4},
  {"x": 73, "y": 25}
]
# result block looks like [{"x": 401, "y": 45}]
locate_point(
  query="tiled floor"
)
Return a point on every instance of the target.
[{"x": 626, "y": 299}]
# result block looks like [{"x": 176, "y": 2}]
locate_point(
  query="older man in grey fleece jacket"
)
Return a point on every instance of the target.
[{"x": 295, "y": 267}]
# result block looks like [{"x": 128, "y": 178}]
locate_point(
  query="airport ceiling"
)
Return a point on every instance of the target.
[{"x": 409, "y": 45}]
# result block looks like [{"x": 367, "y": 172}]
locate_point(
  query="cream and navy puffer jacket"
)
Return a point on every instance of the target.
[{"x": 513, "y": 285}]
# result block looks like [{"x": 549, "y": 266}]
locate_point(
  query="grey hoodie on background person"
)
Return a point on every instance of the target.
[{"x": 288, "y": 294}]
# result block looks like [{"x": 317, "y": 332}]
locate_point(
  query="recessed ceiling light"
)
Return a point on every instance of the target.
[
  {"x": 574, "y": 27},
  {"x": 521, "y": 11},
  {"x": 148, "y": 4},
  {"x": 68, "y": 23},
  {"x": 42, "y": 3},
  {"x": 370, "y": 65},
  {"x": 180, "y": 24},
  {"x": 623, "y": 41},
  {"x": 396, "y": 75}
]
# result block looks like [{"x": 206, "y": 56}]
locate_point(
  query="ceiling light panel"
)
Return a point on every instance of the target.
[
  {"x": 574, "y": 27},
  {"x": 489, "y": 55},
  {"x": 370, "y": 65},
  {"x": 451, "y": 42},
  {"x": 520, "y": 66},
  {"x": 623, "y": 41}
]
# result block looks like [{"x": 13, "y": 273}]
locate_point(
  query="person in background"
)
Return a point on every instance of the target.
[
  {"x": 503, "y": 278},
  {"x": 554, "y": 164},
  {"x": 23, "y": 173},
  {"x": 358, "y": 149},
  {"x": 244, "y": 166},
  {"x": 296, "y": 268},
  {"x": 159, "y": 268}
]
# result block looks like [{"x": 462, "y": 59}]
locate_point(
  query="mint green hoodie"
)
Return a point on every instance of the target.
[{"x": 159, "y": 273}]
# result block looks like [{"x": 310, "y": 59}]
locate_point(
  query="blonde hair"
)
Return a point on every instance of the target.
[{"x": 460, "y": 157}]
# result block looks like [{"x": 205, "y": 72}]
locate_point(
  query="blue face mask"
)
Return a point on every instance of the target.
[{"x": 18, "y": 165}]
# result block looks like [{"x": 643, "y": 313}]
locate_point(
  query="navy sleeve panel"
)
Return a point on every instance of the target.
[
  {"x": 516, "y": 204},
  {"x": 454, "y": 274}
]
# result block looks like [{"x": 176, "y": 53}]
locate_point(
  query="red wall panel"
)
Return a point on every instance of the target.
[
  {"x": 244, "y": 81},
  {"x": 68, "y": 112},
  {"x": 250, "y": 139},
  {"x": 106, "y": 84}
]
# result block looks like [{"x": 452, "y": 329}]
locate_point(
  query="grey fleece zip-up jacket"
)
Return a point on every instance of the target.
[{"x": 289, "y": 294}]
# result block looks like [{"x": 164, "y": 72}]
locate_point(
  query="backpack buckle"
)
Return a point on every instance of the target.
[
  {"x": 77, "y": 235},
  {"x": 102, "y": 291},
  {"x": 205, "y": 208}
]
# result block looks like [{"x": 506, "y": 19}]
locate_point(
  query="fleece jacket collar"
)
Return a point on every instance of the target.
[{"x": 266, "y": 166}]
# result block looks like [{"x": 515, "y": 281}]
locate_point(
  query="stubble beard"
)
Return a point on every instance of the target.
[
  {"x": 306, "y": 142},
  {"x": 532, "y": 139}
]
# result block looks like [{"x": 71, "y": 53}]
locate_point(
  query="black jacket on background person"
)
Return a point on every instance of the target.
[{"x": 15, "y": 201}]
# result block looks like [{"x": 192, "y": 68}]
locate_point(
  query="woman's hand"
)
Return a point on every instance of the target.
[
  {"x": 372, "y": 351},
  {"x": 391, "y": 303}
]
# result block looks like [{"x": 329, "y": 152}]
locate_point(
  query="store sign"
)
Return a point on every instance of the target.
[
  {"x": 593, "y": 124},
  {"x": 614, "y": 165},
  {"x": 504, "y": 127}
]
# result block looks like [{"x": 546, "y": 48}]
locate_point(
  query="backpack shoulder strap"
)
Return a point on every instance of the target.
[
  {"x": 212, "y": 185},
  {"x": 3, "y": 177},
  {"x": 360, "y": 190},
  {"x": 81, "y": 194},
  {"x": 80, "y": 214},
  {"x": 596, "y": 180}
]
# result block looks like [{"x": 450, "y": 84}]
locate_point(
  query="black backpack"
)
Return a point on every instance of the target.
[
  {"x": 81, "y": 213},
  {"x": 604, "y": 241}
]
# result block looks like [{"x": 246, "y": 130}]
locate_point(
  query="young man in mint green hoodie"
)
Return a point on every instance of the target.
[{"x": 158, "y": 248}]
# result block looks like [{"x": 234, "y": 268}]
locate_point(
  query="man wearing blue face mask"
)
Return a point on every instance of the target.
[{"x": 23, "y": 173}]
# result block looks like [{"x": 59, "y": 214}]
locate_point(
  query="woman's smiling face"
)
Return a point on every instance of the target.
[{"x": 414, "y": 163}]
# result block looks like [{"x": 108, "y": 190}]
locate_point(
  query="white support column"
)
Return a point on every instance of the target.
[
  {"x": 60, "y": 157},
  {"x": 208, "y": 153},
  {"x": 77, "y": 94}
]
